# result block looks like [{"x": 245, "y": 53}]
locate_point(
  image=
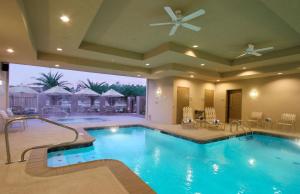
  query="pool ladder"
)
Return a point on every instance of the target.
[{"x": 23, "y": 118}]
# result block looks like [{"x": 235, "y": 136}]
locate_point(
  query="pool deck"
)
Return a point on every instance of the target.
[{"x": 114, "y": 176}]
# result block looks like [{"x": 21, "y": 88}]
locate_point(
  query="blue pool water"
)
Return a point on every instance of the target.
[
  {"x": 249, "y": 164},
  {"x": 73, "y": 120}
]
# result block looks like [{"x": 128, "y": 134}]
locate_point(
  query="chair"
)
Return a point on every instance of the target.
[
  {"x": 255, "y": 118},
  {"x": 4, "y": 116},
  {"x": 211, "y": 119},
  {"x": 188, "y": 118},
  {"x": 287, "y": 119},
  {"x": 12, "y": 115}
]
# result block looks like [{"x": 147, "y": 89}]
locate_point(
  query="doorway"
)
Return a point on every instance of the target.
[
  {"x": 183, "y": 95},
  {"x": 234, "y": 105},
  {"x": 209, "y": 98}
]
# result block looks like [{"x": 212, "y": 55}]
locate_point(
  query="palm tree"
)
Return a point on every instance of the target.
[
  {"x": 95, "y": 86},
  {"x": 50, "y": 80}
]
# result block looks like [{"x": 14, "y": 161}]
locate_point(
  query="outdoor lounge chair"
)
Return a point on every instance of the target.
[
  {"x": 5, "y": 118},
  {"x": 287, "y": 119},
  {"x": 211, "y": 119},
  {"x": 256, "y": 118},
  {"x": 188, "y": 118}
]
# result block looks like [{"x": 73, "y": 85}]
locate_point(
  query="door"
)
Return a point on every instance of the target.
[
  {"x": 234, "y": 105},
  {"x": 183, "y": 95},
  {"x": 209, "y": 98}
]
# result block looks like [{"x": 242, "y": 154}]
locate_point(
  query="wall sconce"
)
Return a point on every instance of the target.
[
  {"x": 158, "y": 92},
  {"x": 1, "y": 82},
  {"x": 253, "y": 94}
]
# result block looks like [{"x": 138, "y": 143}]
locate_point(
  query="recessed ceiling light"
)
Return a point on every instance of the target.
[
  {"x": 195, "y": 46},
  {"x": 244, "y": 68},
  {"x": 59, "y": 49},
  {"x": 202, "y": 64},
  {"x": 147, "y": 64},
  {"x": 218, "y": 80},
  {"x": 64, "y": 18},
  {"x": 279, "y": 73},
  {"x": 139, "y": 75},
  {"x": 57, "y": 65},
  {"x": 192, "y": 76},
  {"x": 10, "y": 50}
]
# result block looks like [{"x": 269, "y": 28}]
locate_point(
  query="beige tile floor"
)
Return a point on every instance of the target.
[{"x": 13, "y": 178}]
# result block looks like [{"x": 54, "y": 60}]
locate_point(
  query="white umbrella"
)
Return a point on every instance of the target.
[
  {"x": 87, "y": 92},
  {"x": 112, "y": 93},
  {"x": 22, "y": 89},
  {"x": 57, "y": 91}
]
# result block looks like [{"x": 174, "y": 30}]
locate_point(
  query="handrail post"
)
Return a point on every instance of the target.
[
  {"x": 26, "y": 150},
  {"x": 7, "y": 143}
]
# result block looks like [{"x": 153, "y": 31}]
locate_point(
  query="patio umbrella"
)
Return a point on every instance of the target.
[
  {"x": 22, "y": 90},
  {"x": 19, "y": 94},
  {"x": 57, "y": 91},
  {"x": 89, "y": 93},
  {"x": 112, "y": 94}
]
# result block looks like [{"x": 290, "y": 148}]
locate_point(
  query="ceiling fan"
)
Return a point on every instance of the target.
[
  {"x": 179, "y": 20},
  {"x": 251, "y": 51}
]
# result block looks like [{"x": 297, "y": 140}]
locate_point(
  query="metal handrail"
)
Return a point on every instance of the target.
[{"x": 22, "y": 118}]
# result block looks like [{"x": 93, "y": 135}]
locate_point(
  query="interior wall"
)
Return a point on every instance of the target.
[
  {"x": 3, "y": 90},
  {"x": 272, "y": 96},
  {"x": 197, "y": 88},
  {"x": 160, "y": 103},
  {"x": 162, "y": 108}
]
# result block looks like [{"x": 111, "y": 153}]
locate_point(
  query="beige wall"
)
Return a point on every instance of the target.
[
  {"x": 160, "y": 107},
  {"x": 197, "y": 88},
  {"x": 275, "y": 95},
  {"x": 163, "y": 109},
  {"x": 3, "y": 90}
]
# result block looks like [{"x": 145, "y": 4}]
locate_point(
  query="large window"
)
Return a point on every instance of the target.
[{"x": 59, "y": 92}]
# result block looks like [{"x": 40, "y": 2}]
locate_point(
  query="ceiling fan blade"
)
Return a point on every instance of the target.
[
  {"x": 173, "y": 30},
  {"x": 264, "y": 49},
  {"x": 191, "y": 27},
  {"x": 161, "y": 24},
  {"x": 241, "y": 55},
  {"x": 193, "y": 15},
  {"x": 256, "y": 54},
  {"x": 171, "y": 13}
]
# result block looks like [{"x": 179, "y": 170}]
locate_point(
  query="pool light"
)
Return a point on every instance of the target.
[
  {"x": 215, "y": 168},
  {"x": 251, "y": 161},
  {"x": 114, "y": 129}
]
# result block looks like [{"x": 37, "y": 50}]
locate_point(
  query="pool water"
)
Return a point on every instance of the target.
[
  {"x": 73, "y": 120},
  {"x": 248, "y": 164}
]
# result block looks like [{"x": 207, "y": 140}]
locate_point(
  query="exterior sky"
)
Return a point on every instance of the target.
[{"x": 26, "y": 74}]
